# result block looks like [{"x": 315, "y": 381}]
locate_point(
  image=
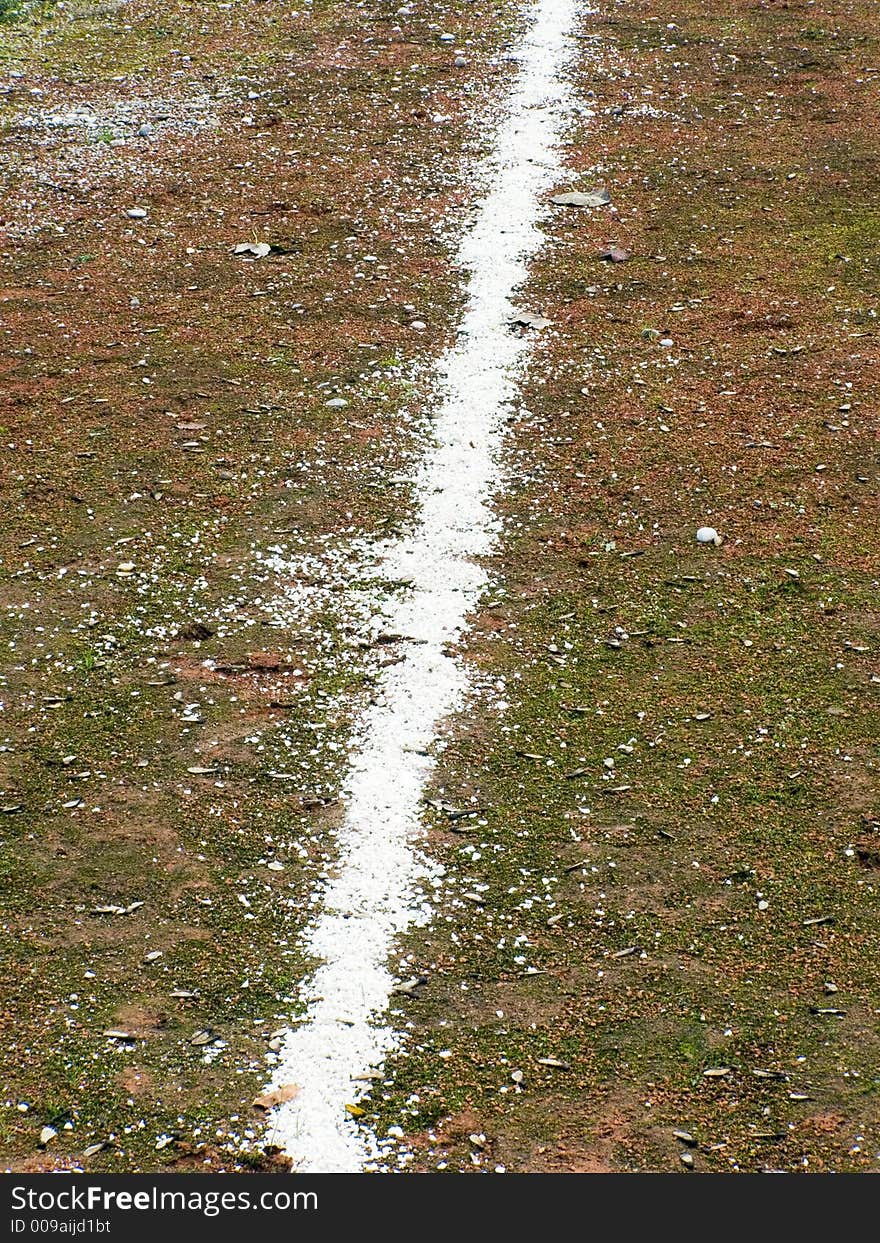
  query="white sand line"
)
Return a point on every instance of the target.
[{"x": 378, "y": 890}]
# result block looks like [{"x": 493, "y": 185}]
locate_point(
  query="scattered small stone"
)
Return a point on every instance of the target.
[
  {"x": 136, "y": 213},
  {"x": 684, "y": 1137},
  {"x": 687, "y": 1159},
  {"x": 47, "y": 1134},
  {"x": 708, "y": 535},
  {"x": 203, "y": 1037},
  {"x": 716, "y": 1072},
  {"x": 336, "y": 403}
]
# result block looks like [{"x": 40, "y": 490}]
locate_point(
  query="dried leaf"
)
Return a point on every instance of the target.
[
  {"x": 409, "y": 988},
  {"x": 528, "y": 319},
  {"x": 256, "y": 250},
  {"x": 277, "y": 1096},
  {"x": 615, "y": 254},
  {"x": 579, "y": 198},
  {"x": 192, "y": 630}
]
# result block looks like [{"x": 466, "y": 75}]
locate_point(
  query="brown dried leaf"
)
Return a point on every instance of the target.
[{"x": 277, "y": 1096}]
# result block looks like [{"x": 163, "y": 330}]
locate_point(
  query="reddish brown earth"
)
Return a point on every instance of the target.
[{"x": 740, "y": 150}]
